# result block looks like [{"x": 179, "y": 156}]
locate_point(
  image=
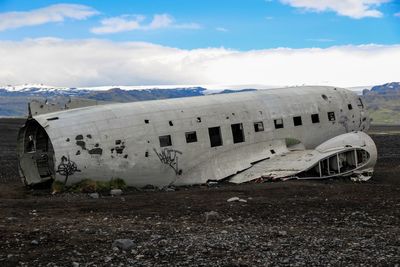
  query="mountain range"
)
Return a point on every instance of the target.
[
  {"x": 383, "y": 101},
  {"x": 14, "y": 99}
]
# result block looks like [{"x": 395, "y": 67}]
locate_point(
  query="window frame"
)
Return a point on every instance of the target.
[
  {"x": 297, "y": 121},
  {"x": 280, "y": 125},
  {"x": 169, "y": 140},
  {"x": 257, "y": 127},
  {"x": 238, "y": 138},
  {"x": 331, "y": 116},
  {"x": 187, "y": 134},
  {"x": 315, "y": 118},
  {"x": 220, "y": 141}
]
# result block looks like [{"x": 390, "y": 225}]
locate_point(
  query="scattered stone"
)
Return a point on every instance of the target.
[
  {"x": 107, "y": 259},
  {"x": 212, "y": 183},
  {"x": 282, "y": 233},
  {"x": 224, "y": 232},
  {"x": 75, "y": 264},
  {"x": 94, "y": 195},
  {"x": 169, "y": 189},
  {"x": 35, "y": 242},
  {"x": 237, "y": 199},
  {"x": 124, "y": 244},
  {"x": 210, "y": 215},
  {"x": 233, "y": 199},
  {"x": 228, "y": 220},
  {"x": 116, "y": 192}
]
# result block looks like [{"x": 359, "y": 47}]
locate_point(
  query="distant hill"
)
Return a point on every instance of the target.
[
  {"x": 385, "y": 89},
  {"x": 14, "y": 100},
  {"x": 383, "y": 102}
]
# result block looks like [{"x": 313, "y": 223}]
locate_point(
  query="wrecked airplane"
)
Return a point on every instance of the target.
[{"x": 310, "y": 132}]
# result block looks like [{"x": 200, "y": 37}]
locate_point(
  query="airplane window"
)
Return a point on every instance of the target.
[
  {"x": 278, "y": 123},
  {"x": 297, "y": 121},
  {"x": 362, "y": 156},
  {"x": 259, "y": 126},
  {"x": 349, "y": 106},
  {"x": 315, "y": 118},
  {"x": 215, "y": 136},
  {"x": 191, "y": 137},
  {"x": 198, "y": 119},
  {"x": 165, "y": 140},
  {"x": 331, "y": 116},
  {"x": 146, "y": 121},
  {"x": 237, "y": 132},
  {"x": 170, "y": 123}
]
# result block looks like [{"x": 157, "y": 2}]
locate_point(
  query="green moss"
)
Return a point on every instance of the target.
[
  {"x": 117, "y": 183},
  {"x": 84, "y": 186},
  {"x": 89, "y": 186},
  {"x": 102, "y": 186},
  {"x": 57, "y": 187}
]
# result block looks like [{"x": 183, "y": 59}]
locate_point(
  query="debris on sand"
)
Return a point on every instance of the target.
[
  {"x": 237, "y": 199},
  {"x": 233, "y": 199},
  {"x": 211, "y": 215},
  {"x": 94, "y": 195},
  {"x": 116, "y": 192},
  {"x": 124, "y": 244}
]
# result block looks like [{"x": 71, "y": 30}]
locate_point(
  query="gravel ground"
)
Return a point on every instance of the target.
[{"x": 294, "y": 223}]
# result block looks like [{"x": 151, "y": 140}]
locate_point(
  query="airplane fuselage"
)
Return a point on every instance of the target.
[{"x": 185, "y": 140}]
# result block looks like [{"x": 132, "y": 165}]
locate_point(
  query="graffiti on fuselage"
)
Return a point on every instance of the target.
[
  {"x": 170, "y": 157},
  {"x": 67, "y": 168}
]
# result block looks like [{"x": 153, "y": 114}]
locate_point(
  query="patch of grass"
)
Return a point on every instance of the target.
[
  {"x": 57, "y": 187},
  {"x": 102, "y": 186},
  {"x": 85, "y": 186},
  {"x": 385, "y": 116},
  {"x": 89, "y": 186},
  {"x": 117, "y": 183}
]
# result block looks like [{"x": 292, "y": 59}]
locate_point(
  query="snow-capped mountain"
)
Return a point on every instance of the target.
[{"x": 14, "y": 99}]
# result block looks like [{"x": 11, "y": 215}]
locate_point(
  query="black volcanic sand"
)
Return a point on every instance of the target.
[{"x": 300, "y": 223}]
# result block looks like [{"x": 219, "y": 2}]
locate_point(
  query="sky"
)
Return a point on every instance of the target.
[{"x": 235, "y": 42}]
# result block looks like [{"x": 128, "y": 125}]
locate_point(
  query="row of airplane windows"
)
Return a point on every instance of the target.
[{"x": 237, "y": 131}]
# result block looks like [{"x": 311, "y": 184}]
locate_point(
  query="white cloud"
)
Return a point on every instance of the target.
[
  {"x": 98, "y": 62},
  {"x": 351, "y": 8},
  {"x": 136, "y": 22},
  {"x": 53, "y": 13},
  {"x": 397, "y": 14},
  {"x": 221, "y": 29}
]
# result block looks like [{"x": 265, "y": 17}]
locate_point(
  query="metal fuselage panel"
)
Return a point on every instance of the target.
[{"x": 122, "y": 140}]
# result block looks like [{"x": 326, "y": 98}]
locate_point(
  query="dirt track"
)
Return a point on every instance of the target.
[{"x": 333, "y": 222}]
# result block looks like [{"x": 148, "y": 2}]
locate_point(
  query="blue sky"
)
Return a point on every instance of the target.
[
  {"x": 242, "y": 43},
  {"x": 236, "y": 24}
]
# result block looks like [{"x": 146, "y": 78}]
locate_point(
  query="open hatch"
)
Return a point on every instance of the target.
[{"x": 36, "y": 154}]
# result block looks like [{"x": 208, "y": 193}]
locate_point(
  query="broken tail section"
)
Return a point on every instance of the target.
[{"x": 348, "y": 155}]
